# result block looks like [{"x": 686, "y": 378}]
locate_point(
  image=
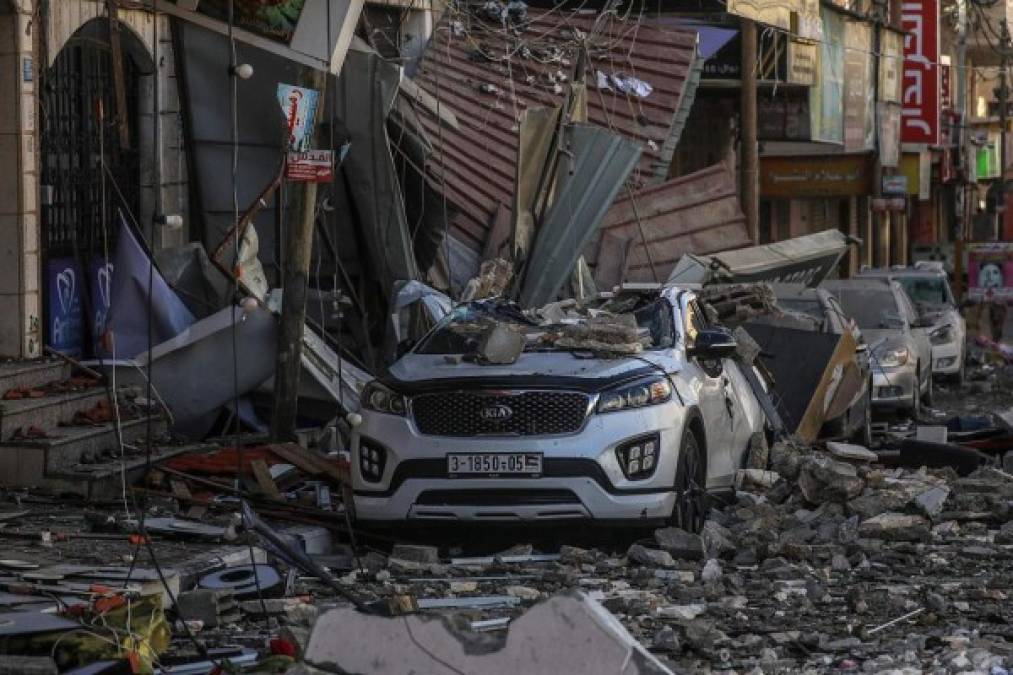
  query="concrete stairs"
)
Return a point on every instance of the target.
[{"x": 41, "y": 444}]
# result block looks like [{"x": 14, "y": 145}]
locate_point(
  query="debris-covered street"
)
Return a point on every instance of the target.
[{"x": 530, "y": 337}]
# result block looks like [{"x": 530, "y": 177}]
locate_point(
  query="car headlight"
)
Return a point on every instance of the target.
[
  {"x": 941, "y": 335},
  {"x": 892, "y": 358},
  {"x": 377, "y": 397},
  {"x": 651, "y": 391}
]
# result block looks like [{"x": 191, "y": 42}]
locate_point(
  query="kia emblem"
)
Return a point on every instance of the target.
[{"x": 497, "y": 413}]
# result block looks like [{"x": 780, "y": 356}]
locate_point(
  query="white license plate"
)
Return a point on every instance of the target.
[{"x": 494, "y": 464}]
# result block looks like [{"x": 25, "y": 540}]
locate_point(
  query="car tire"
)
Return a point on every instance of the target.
[
  {"x": 863, "y": 435},
  {"x": 916, "y": 397},
  {"x": 929, "y": 396},
  {"x": 690, "y": 509}
]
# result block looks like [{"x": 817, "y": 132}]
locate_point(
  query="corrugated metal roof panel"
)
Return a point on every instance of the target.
[
  {"x": 477, "y": 162},
  {"x": 697, "y": 213}
]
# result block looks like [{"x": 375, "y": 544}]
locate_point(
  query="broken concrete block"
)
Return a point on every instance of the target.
[
  {"x": 711, "y": 571},
  {"x": 681, "y": 612},
  {"x": 895, "y": 527},
  {"x": 566, "y": 634},
  {"x": 849, "y": 452},
  {"x": 523, "y": 592},
  {"x": 1005, "y": 534},
  {"x": 786, "y": 460},
  {"x": 717, "y": 540},
  {"x": 501, "y": 346},
  {"x": 755, "y": 480},
  {"x": 212, "y": 607},
  {"x": 426, "y": 555},
  {"x": 463, "y": 586},
  {"x": 823, "y": 479},
  {"x": 680, "y": 543},
  {"x": 667, "y": 640},
  {"x": 759, "y": 452},
  {"x": 931, "y": 502},
  {"x": 650, "y": 557}
]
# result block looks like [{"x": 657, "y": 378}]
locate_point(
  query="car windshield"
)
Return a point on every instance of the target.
[
  {"x": 647, "y": 322},
  {"x": 926, "y": 290},
  {"x": 871, "y": 309}
]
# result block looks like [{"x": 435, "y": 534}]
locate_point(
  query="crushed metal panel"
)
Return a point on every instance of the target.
[
  {"x": 808, "y": 371},
  {"x": 802, "y": 260},
  {"x": 477, "y": 162},
  {"x": 697, "y": 213},
  {"x": 365, "y": 94},
  {"x": 587, "y": 183},
  {"x": 537, "y": 127}
]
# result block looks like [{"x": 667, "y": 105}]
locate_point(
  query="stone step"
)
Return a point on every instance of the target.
[
  {"x": 66, "y": 446},
  {"x": 48, "y": 412},
  {"x": 103, "y": 481},
  {"x": 31, "y": 374}
]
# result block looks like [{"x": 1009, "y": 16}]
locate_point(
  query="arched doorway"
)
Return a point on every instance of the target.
[{"x": 91, "y": 163}]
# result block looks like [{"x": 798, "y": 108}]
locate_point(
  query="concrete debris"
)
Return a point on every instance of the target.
[
  {"x": 501, "y": 346},
  {"x": 895, "y": 527},
  {"x": 680, "y": 544},
  {"x": 823, "y": 479},
  {"x": 568, "y": 633},
  {"x": 849, "y": 452},
  {"x": 492, "y": 281},
  {"x": 650, "y": 557}
]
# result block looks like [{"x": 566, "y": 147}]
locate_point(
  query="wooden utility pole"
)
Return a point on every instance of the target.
[
  {"x": 298, "y": 251},
  {"x": 750, "y": 159}
]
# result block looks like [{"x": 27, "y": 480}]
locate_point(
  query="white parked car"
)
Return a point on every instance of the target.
[
  {"x": 564, "y": 432},
  {"x": 928, "y": 287}
]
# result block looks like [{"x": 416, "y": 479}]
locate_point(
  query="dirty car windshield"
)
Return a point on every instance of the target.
[
  {"x": 870, "y": 309},
  {"x": 811, "y": 307},
  {"x": 926, "y": 290},
  {"x": 464, "y": 329}
]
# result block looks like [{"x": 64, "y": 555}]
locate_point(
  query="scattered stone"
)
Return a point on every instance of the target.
[
  {"x": 786, "y": 460},
  {"x": 756, "y": 480},
  {"x": 680, "y": 544},
  {"x": 931, "y": 502},
  {"x": 667, "y": 640},
  {"x": 711, "y": 571},
  {"x": 681, "y": 612},
  {"x": 851, "y": 452},
  {"x": 650, "y": 556},
  {"x": 463, "y": 586},
  {"x": 823, "y": 479},
  {"x": 717, "y": 540},
  {"x": 523, "y": 592},
  {"x": 1005, "y": 534},
  {"x": 895, "y": 527},
  {"x": 425, "y": 555}
]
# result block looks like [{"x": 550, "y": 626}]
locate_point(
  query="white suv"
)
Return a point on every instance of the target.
[{"x": 562, "y": 432}]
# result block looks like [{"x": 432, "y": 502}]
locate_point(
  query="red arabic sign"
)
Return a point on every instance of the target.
[
  {"x": 313, "y": 166},
  {"x": 920, "y": 114}
]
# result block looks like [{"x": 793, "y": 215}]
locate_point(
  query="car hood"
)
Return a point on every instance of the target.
[
  {"x": 884, "y": 338},
  {"x": 554, "y": 370},
  {"x": 941, "y": 315}
]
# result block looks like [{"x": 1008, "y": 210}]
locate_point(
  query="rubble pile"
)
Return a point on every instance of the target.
[{"x": 827, "y": 562}]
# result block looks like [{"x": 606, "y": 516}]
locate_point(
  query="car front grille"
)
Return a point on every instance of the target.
[{"x": 525, "y": 413}]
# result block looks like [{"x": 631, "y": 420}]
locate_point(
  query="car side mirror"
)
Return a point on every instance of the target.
[
  {"x": 404, "y": 347},
  {"x": 713, "y": 343},
  {"x": 861, "y": 348}
]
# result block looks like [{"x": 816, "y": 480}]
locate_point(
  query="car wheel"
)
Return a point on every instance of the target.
[
  {"x": 916, "y": 397},
  {"x": 863, "y": 436},
  {"x": 690, "y": 485},
  {"x": 929, "y": 396}
]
